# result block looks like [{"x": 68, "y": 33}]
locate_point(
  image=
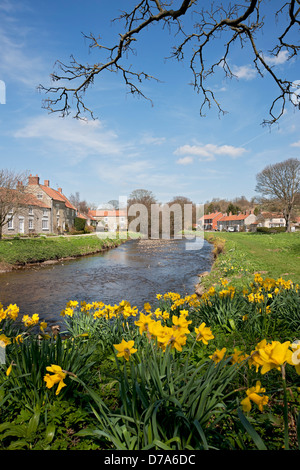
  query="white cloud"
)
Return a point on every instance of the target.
[
  {"x": 208, "y": 152},
  {"x": 244, "y": 72},
  {"x": 148, "y": 139},
  {"x": 279, "y": 59},
  {"x": 296, "y": 144},
  {"x": 185, "y": 160},
  {"x": 76, "y": 139},
  {"x": 19, "y": 62}
]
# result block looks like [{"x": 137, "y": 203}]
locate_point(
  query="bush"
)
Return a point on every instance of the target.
[
  {"x": 271, "y": 229},
  {"x": 79, "y": 224}
]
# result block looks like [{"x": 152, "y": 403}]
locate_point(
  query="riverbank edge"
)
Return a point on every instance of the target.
[
  {"x": 218, "y": 247},
  {"x": 108, "y": 243}
]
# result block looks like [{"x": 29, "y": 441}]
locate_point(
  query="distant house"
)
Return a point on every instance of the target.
[
  {"x": 110, "y": 219},
  {"x": 89, "y": 220},
  {"x": 270, "y": 220},
  {"x": 62, "y": 212},
  {"x": 241, "y": 222},
  {"x": 209, "y": 221},
  {"x": 296, "y": 223}
]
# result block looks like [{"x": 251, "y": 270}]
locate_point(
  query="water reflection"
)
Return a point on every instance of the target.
[{"x": 135, "y": 271}]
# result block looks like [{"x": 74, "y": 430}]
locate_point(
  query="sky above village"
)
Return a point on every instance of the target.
[{"x": 165, "y": 146}]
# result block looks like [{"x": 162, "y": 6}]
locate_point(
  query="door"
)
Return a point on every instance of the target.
[{"x": 21, "y": 225}]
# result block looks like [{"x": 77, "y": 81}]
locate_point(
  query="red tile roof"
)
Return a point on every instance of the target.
[
  {"x": 108, "y": 213},
  {"x": 213, "y": 215},
  {"x": 90, "y": 216},
  {"x": 233, "y": 217},
  {"x": 81, "y": 216},
  {"x": 57, "y": 196}
]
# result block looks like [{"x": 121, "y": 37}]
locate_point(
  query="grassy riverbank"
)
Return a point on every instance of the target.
[
  {"x": 25, "y": 251},
  {"x": 239, "y": 255}
]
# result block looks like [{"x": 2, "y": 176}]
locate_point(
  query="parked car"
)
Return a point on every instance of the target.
[{"x": 231, "y": 229}]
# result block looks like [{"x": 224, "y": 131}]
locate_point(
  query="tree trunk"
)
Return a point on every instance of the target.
[{"x": 288, "y": 222}]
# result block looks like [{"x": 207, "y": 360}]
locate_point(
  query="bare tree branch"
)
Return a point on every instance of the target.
[
  {"x": 238, "y": 22},
  {"x": 12, "y": 191}
]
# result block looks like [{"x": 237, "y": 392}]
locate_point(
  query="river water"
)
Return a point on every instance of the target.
[{"x": 135, "y": 271}]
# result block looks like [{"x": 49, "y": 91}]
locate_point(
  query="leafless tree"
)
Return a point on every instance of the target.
[
  {"x": 281, "y": 182},
  {"x": 12, "y": 197},
  {"x": 235, "y": 22},
  {"x": 139, "y": 210},
  {"x": 81, "y": 205}
]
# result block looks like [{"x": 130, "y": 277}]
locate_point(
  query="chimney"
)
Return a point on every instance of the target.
[
  {"x": 60, "y": 190},
  {"x": 33, "y": 179},
  {"x": 46, "y": 183}
]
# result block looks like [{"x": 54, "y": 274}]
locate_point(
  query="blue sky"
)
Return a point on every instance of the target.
[{"x": 166, "y": 148}]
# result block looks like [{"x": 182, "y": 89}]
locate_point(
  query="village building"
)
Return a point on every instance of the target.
[
  {"x": 209, "y": 221},
  {"x": 40, "y": 209},
  {"x": 110, "y": 219},
  {"x": 270, "y": 220},
  {"x": 238, "y": 223},
  {"x": 62, "y": 212},
  {"x": 32, "y": 216}
]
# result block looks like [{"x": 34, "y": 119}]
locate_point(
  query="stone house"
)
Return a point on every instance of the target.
[
  {"x": 62, "y": 212},
  {"x": 32, "y": 216}
]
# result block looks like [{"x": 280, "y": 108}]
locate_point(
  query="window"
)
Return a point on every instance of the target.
[
  {"x": 30, "y": 211},
  {"x": 30, "y": 224},
  {"x": 45, "y": 213},
  {"x": 44, "y": 224},
  {"x": 10, "y": 224},
  {"x": 40, "y": 196}
]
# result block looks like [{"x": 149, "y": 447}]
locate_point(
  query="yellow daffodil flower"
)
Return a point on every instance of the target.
[
  {"x": 143, "y": 322},
  {"x": 253, "y": 395},
  {"x": 12, "y": 311},
  {"x": 181, "y": 324},
  {"x": 204, "y": 333},
  {"x": 218, "y": 355},
  {"x": 125, "y": 349},
  {"x": 9, "y": 369},
  {"x": 296, "y": 355},
  {"x": 57, "y": 378},
  {"x": 238, "y": 356},
  {"x": 4, "y": 341},
  {"x": 272, "y": 355}
]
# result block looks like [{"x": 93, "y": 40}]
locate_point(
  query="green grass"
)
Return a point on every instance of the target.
[
  {"x": 23, "y": 251},
  {"x": 239, "y": 255}
]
